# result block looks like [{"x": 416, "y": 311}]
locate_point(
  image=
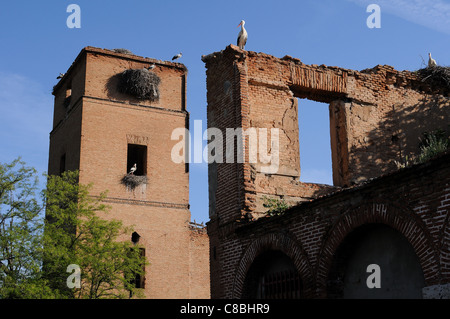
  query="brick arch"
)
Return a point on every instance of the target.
[
  {"x": 404, "y": 221},
  {"x": 274, "y": 241}
]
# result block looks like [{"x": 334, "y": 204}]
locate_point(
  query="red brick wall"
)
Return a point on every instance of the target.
[
  {"x": 95, "y": 133},
  {"x": 376, "y": 118},
  {"x": 413, "y": 201}
]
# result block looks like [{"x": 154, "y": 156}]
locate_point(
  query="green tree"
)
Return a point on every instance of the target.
[
  {"x": 76, "y": 234},
  {"x": 36, "y": 251},
  {"x": 21, "y": 228}
]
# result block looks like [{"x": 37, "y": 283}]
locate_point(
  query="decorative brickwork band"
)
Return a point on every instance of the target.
[
  {"x": 144, "y": 203},
  {"x": 318, "y": 79}
]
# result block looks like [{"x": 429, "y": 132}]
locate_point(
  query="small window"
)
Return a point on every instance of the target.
[
  {"x": 139, "y": 279},
  {"x": 135, "y": 237},
  {"x": 137, "y": 155},
  {"x": 68, "y": 97},
  {"x": 62, "y": 164}
]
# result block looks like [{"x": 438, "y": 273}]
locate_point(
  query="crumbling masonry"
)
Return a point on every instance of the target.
[{"x": 376, "y": 118}]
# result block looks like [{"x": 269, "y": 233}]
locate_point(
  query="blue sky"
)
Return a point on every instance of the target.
[{"x": 36, "y": 45}]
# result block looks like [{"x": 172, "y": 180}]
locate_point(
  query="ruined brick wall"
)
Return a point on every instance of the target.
[
  {"x": 199, "y": 280},
  {"x": 94, "y": 130},
  {"x": 415, "y": 202},
  {"x": 376, "y": 118}
]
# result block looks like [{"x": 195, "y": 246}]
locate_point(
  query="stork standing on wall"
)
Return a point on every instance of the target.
[
  {"x": 133, "y": 169},
  {"x": 431, "y": 61},
  {"x": 242, "y": 37},
  {"x": 175, "y": 57}
]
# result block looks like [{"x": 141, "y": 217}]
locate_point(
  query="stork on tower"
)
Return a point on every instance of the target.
[
  {"x": 431, "y": 61},
  {"x": 242, "y": 37},
  {"x": 175, "y": 57}
]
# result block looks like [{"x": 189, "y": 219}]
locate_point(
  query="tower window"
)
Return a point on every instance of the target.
[
  {"x": 139, "y": 280},
  {"x": 135, "y": 237},
  {"x": 137, "y": 154},
  {"x": 68, "y": 96},
  {"x": 62, "y": 164}
]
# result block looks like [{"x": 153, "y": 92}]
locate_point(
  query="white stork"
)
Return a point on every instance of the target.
[
  {"x": 133, "y": 169},
  {"x": 431, "y": 61},
  {"x": 151, "y": 67},
  {"x": 175, "y": 57},
  {"x": 60, "y": 76},
  {"x": 242, "y": 37}
]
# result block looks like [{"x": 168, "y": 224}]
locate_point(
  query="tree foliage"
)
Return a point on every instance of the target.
[
  {"x": 36, "y": 251},
  {"x": 21, "y": 228}
]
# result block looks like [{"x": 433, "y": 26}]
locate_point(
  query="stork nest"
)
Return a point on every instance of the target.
[
  {"x": 140, "y": 83},
  {"x": 123, "y": 51},
  {"x": 133, "y": 181},
  {"x": 437, "y": 77}
]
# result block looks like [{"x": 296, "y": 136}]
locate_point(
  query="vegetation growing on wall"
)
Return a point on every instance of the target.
[
  {"x": 431, "y": 144},
  {"x": 275, "y": 206}
]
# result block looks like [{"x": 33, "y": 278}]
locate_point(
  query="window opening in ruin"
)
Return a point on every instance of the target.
[
  {"x": 314, "y": 140},
  {"x": 137, "y": 154},
  {"x": 62, "y": 164}
]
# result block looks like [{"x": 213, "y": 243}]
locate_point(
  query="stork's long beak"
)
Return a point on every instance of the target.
[{"x": 239, "y": 25}]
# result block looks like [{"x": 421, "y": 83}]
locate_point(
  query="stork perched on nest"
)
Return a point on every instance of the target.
[
  {"x": 60, "y": 76},
  {"x": 242, "y": 37},
  {"x": 132, "y": 170},
  {"x": 431, "y": 61}
]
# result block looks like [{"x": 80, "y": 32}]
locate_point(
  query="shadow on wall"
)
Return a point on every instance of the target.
[{"x": 396, "y": 137}]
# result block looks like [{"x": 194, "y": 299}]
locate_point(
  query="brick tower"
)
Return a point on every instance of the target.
[{"x": 101, "y": 130}]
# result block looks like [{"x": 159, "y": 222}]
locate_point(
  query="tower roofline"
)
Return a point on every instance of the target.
[{"x": 126, "y": 56}]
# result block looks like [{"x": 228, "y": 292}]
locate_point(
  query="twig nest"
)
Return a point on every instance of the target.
[
  {"x": 122, "y": 50},
  {"x": 140, "y": 83},
  {"x": 438, "y": 77},
  {"x": 133, "y": 181}
]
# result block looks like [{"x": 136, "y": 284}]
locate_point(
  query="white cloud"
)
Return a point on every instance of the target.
[{"x": 433, "y": 14}]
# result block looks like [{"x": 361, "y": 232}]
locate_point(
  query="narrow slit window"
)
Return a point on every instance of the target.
[
  {"x": 137, "y": 157},
  {"x": 139, "y": 278},
  {"x": 62, "y": 164},
  {"x": 68, "y": 96}
]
